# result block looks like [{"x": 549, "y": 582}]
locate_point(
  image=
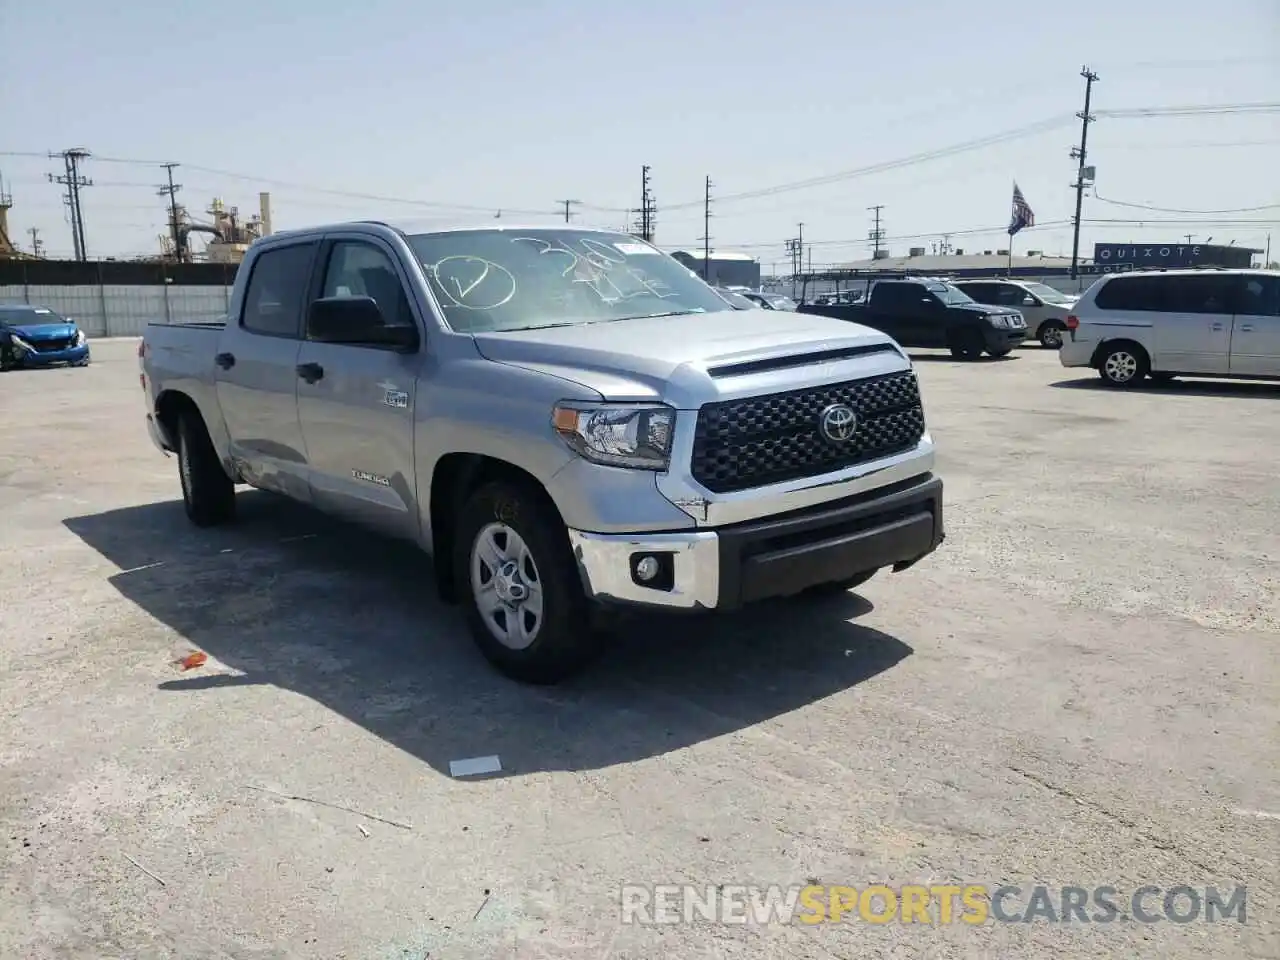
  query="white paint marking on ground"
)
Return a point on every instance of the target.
[
  {"x": 1259, "y": 814},
  {"x": 145, "y": 566},
  {"x": 474, "y": 766}
]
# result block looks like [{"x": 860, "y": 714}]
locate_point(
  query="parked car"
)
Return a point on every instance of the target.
[
  {"x": 771, "y": 301},
  {"x": 736, "y": 300},
  {"x": 32, "y": 336},
  {"x": 1044, "y": 308},
  {"x": 1196, "y": 323},
  {"x": 931, "y": 313},
  {"x": 565, "y": 419}
]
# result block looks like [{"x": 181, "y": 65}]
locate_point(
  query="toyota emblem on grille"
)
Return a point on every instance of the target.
[{"x": 838, "y": 423}]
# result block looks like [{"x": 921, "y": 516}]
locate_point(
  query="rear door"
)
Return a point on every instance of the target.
[
  {"x": 1255, "y": 337},
  {"x": 356, "y": 402},
  {"x": 1192, "y": 331},
  {"x": 255, "y": 374}
]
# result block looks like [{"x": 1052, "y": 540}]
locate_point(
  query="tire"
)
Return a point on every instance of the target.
[
  {"x": 841, "y": 586},
  {"x": 510, "y": 549},
  {"x": 1050, "y": 334},
  {"x": 967, "y": 345},
  {"x": 208, "y": 494},
  {"x": 1002, "y": 352},
  {"x": 1123, "y": 365}
]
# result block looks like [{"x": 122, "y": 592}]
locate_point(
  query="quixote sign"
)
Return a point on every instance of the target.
[{"x": 1138, "y": 255}]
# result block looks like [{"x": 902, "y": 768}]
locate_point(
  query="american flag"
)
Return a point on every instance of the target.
[{"x": 1022, "y": 215}]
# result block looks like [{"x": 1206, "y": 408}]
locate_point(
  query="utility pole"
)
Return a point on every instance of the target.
[
  {"x": 73, "y": 181},
  {"x": 706, "y": 233},
  {"x": 876, "y": 234},
  {"x": 171, "y": 191},
  {"x": 1079, "y": 154},
  {"x": 647, "y": 219},
  {"x": 1189, "y": 236},
  {"x": 36, "y": 243},
  {"x": 568, "y": 205}
]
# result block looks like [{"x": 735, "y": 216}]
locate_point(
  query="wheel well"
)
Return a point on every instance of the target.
[
  {"x": 171, "y": 405},
  {"x": 455, "y": 478},
  {"x": 1106, "y": 345}
]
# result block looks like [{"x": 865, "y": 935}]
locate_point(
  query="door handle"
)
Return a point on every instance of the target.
[
  {"x": 1246, "y": 327},
  {"x": 1216, "y": 326},
  {"x": 225, "y": 360},
  {"x": 310, "y": 372}
]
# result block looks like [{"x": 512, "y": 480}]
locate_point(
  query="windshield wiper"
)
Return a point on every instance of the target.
[{"x": 668, "y": 313}]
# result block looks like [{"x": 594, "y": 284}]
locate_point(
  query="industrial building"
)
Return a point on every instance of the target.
[{"x": 725, "y": 269}]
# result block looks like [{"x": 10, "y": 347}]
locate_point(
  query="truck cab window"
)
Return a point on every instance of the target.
[
  {"x": 276, "y": 291},
  {"x": 359, "y": 269}
]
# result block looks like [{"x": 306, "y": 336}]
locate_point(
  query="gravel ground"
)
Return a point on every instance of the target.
[{"x": 1081, "y": 688}]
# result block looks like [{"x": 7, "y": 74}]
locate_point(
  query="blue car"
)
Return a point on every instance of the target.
[{"x": 33, "y": 336}]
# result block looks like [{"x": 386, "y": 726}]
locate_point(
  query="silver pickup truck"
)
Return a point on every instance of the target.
[{"x": 565, "y": 419}]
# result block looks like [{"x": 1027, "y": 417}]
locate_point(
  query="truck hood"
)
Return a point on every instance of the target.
[
  {"x": 989, "y": 310},
  {"x": 43, "y": 331},
  {"x": 668, "y": 358}
]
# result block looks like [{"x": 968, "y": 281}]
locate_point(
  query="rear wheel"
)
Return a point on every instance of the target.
[
  {"x": 208, "y": 494},
  {"x": 520, "y": 586},
  {"x": 1123, "y": 365},
  {"x": 1050, "y": 334}
]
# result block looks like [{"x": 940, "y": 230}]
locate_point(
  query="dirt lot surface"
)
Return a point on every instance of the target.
[{"x": 1082, "y": 688}]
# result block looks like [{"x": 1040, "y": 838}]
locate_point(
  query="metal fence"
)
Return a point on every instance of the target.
[{"x": 124, "y": 310}]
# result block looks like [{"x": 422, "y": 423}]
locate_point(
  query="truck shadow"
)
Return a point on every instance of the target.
[
  {"x": 1179, "y": 387},
  {"x": 289, "y": 598}
]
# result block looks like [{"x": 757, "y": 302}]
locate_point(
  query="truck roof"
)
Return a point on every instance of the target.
[{"x": 412, "y": 227}]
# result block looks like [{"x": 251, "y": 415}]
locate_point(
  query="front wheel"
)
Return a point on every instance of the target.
[
  {"x": 521, "y": 590},
  {"x": 1051, "y": 334},
  {"x": 1123, "y": 365},
  {"x": 967, "y": 345}
]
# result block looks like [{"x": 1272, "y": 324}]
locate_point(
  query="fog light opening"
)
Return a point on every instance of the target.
[{"x": 655, "y": 571}]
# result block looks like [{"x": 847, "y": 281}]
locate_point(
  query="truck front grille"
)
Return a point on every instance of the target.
[
  {"x": 51, "y": 345},
  {"x": 740, "y": 444}
]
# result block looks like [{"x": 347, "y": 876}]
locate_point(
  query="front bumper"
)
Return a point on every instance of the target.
[
  {"x": 47, "y": 358},
  {"x": 1002, "y": 338},
  {"x": 727, "y": 567}
]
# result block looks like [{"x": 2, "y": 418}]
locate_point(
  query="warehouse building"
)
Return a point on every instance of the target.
[{"x": 725, "y": 269}]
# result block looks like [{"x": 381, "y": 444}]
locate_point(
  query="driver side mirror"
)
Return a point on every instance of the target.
[{"x": 356, "y": 321}]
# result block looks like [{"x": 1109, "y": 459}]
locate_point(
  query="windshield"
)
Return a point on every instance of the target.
[
  {"x": 948, "y": 294},
  {"x": 782, "y": 303},
  {"x": 521, "y": 279},
  {"x": 27, "y": 316},
  {"x": 737, "y": 300},
  {"x": 1048, "y": 294}
]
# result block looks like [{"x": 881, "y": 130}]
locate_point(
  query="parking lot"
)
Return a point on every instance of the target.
[{"x": 1081, "y": 688}]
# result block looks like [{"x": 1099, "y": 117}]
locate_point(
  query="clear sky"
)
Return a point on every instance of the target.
[{"x": 514, "y": 106}]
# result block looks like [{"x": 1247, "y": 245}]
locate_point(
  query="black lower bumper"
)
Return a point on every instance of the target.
[
  {"x": 780, "y": 556},
  {"x": 997, "y": 338}
]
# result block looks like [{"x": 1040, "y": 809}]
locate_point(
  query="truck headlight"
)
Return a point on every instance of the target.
[
  {"x": 617, "y": 434},
  {"x": 20, "y": 343},
  {"x": 78, "y": 339},
  {"x": 999, "y": 321}
]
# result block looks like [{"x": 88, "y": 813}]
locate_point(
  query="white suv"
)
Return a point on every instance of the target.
[{"x": 1202, "y": 323}]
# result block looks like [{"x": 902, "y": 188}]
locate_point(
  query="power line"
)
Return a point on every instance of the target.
[
  {"x": 1194, "y": 110},
  {"x": 1143, "y": 206}
]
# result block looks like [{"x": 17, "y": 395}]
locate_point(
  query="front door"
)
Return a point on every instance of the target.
[
  {"x": 1255, "y": 338},
  {"x": 1192, "y": 331},
  {"x": 356, "y": 402},
  {"x": 255, "y": 374}
]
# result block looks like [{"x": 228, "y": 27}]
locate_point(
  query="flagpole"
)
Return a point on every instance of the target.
[{"x": 1009, "y": 268}]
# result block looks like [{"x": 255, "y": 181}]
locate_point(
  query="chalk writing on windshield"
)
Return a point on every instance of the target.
[
  {"x": 601, "y": 268},
  {"x": 474, "y": 283}
]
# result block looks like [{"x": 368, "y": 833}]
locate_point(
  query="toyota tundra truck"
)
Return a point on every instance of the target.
[{"x": 566, "y": 420}]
